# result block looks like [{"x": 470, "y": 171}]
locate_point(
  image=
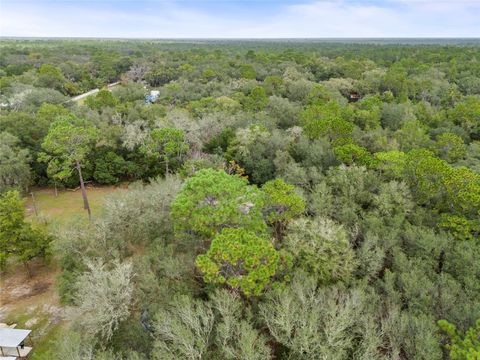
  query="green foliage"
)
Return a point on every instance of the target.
[
  {"x": 391, "y": 163},
  {"x": 412, "y": 135},
  {"x": 368, "y": 114},
  {"x": 467, "y": 115},
  {"x": 235, "y": 337},
  {"x": 321, "y": 248},
  {"x": 12, "y": 224},
  {"x": 284, "y": 111},
  {"x": 325, "y": 121},
  {"x": 139, "y": 217},
  {"x": 454, "y": 189},
  {"x": 459, "y": 226},
  {"x": 254, "y": 149},
  {"x": 450, "y": 147},
  {"x": 240, "y": 259},
  {"x": 353, "y": 154},
  {"x": 161, "y": 75},
  {"x": 183, "y": 330},
  {"x": 273, "y": 84},
  {"x": 51, "y": 77},
  {"x": 104, "y": 98},
  {"x": 247, "y": 72},
  {"x": 69, "y": 141},
  {"x": 104, "y": 295},
  {"x": 256, "y": 100},
  {"x": 167, "y": 144},
  {"x": 19, "y": 238},
  {"x": 212, "y": 200},
  {"x": 314, "y": 323},
  {"x": 15, "y": 172},
  {"x": 462, "y": 346},
  {"x": 387, "y": 184},
  {"x": 282, "y": 204},
  {"x": 109, "y": 168},
  {"x": 220, "y": 143},
  {"x": 48, "y": 113}
]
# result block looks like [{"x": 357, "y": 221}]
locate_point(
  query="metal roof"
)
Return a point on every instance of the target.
[{"x": 12, "y": 337}]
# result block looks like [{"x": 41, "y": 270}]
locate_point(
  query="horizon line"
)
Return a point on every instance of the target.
[{"x": 247, "y": 38}]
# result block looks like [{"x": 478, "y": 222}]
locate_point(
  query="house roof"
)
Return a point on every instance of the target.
[{"x": 12, "y": 337}]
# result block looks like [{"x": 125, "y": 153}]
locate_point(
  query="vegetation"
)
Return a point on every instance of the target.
[
  {"x": 19, "y": 238},
  {"x": 286, "y": 200}
]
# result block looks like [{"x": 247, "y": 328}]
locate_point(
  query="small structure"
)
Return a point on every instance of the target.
[
  {"x": 12, "y": 343},
  {"x": 353, "y": 96},
  {"x": 152, "y": 97}
]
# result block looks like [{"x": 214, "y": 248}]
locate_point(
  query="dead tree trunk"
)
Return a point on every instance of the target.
[
  {"x": 34, "y": 204},
  {"x": 86, "y": 205}
]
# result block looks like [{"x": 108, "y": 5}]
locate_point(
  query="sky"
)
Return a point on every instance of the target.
[{"x": 240, "y": 19}]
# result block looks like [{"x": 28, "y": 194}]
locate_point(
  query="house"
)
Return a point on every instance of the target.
[
  {"x": 353, "y": 96},
  {"x": 152, "y": 97}
]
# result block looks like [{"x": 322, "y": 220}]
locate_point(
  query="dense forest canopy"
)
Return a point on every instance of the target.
[{"x": 287, "y": 199}]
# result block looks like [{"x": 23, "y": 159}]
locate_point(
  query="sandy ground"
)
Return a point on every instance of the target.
[{"x": 31, "y": 301}]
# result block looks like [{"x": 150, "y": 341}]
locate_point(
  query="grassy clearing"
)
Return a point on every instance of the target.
[
  {"x": 32, "y": 302},
  {"x": 58, "y": 210}
]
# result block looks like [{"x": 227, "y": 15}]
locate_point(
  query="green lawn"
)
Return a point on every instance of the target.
[{"x": 58, "y": 210}]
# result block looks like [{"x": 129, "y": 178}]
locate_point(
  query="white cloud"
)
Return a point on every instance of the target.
[{"x": 167, "y": 19}]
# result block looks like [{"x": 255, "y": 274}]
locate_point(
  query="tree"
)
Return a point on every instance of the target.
[
  {"x": 256, "y": 100},
  {"x": 17, "y": 237},
  {"x": 273, "y": 85},
  {"x": 104, "y": 98},
  {"x": 235, "y": 336},
  {"x": 15, "y": 170},
  {"x": 109, "y": 167},
  {"x": 321, "y": 248},
  {"x": 459, "y": 226},
  {"x": 284, "y": 111},
  {"x": 49, "y": 76},
  {"x": 353, "y": 154},
  {"x": 247, "y": 71},
  {"x": 104, "y": 295},
  {"x": 425, "y": 174},
  {"x": 212, "y": 200},
  {"x": 450, "y": 147},
  {"x": 462, "y": 346},
  {"x": 324, "y": 121},
  {"x": 183, "y": 330},
  {"x": 68, "y": 142},
  {"x": 167, "y": 144},
  {"x": 467, "y": 115},
  {"x": 412, "y": 135},
  {"x": 11, "y": 224},
  {"x": 161, "y": 75},
  {"x": 392, "y": 163},
  {"x": 282, "y": 204},
  {"x": 240, "y": 259},
  {"x": 254, "y": 148},
  {"x": 314, "y": 322}
]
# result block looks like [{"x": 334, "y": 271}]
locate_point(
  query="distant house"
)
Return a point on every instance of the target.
[
  {"x": 152, "y": 97},
  {"x": 353, "y": 96}
]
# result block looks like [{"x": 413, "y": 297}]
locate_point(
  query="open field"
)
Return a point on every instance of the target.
[
  {"x": 68, "y": 204},
  {"x": 32, "y": 302}
]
